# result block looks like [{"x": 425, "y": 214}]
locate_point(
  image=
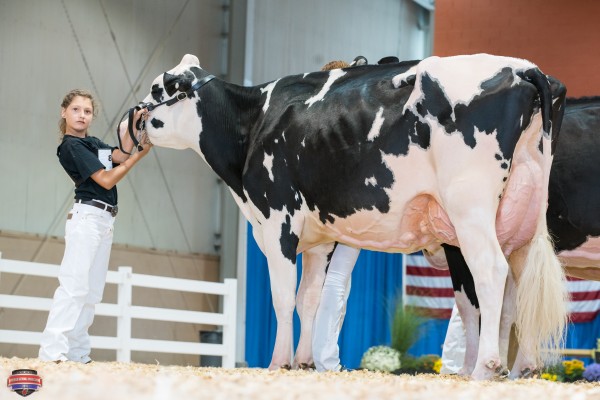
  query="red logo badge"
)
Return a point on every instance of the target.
[{"x": 24, "y": 381}]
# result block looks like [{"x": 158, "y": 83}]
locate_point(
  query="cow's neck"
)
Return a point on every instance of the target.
[{"x": 227, "y": 119}]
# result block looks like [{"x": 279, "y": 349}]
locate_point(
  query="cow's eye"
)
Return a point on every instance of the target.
[{"x": 157, "y": 93}]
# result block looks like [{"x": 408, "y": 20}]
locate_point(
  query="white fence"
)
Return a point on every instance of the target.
[{"x": 124, "y": 311}]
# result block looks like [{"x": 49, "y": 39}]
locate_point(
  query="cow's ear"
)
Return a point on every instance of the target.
[{"x": 190, "y": 59}]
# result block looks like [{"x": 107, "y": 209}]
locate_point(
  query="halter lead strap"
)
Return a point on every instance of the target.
[{"x": 151, "y": 106}]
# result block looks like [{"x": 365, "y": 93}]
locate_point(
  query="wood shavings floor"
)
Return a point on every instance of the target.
[{"x": 114, "y": 381}]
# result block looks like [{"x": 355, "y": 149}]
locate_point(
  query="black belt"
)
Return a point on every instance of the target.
[{"x": 113, "y": 210}]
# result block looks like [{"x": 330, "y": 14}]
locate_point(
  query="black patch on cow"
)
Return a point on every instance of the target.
[
  {"x": 330, "y": 255},
  {"x": 228, "y": 114},
  {"x": 156, "y": 123},
  {"x": 179, "y": 83},
  {"x": 288, "y": 241},
  {"x": 574, "y": 193},
  {"x": 157, "y": 93},
  {"x": 498, "y": 156},
  {"x": 333, "y": 132},
  {"x": 399, "y": 141},
  {"x": 498, "y": 108},
  {"x": 462, "y": 280},
  {"x": 436, "y": 104}
]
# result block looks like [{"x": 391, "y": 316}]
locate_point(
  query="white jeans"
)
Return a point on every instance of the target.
[
  {"x": 332, "y": 309},
  {"x": 82, "y": 276},
  {"x": 453, "y": 352}
]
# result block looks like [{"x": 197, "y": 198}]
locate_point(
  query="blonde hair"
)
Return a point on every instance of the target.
[
  {"x": 62, "y": 123},
  {"x": 334, "y": 65}
]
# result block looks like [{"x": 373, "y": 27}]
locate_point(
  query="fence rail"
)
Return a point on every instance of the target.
[{"x": 124, "y": 311}]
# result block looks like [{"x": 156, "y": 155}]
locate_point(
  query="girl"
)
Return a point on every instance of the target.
[{"x": 95, "y": 169}]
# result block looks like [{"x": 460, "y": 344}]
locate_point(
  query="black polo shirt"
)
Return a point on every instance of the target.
[{"x": 81, "y": 158}]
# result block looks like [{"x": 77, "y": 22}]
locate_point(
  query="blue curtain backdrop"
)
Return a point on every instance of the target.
[{"x": 376, "y": 285}]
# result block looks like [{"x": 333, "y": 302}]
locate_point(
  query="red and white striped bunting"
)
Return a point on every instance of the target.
[{"x": 430, "y": 290}]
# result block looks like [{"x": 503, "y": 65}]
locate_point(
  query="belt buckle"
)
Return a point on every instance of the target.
[{"x": 114, "y": 211}]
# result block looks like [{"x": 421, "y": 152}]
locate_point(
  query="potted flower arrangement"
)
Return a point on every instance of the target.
[
  {"x": 592, "y": 373},
  {"x": 381, "y": 358},
  {"x": 407, "y": 326},
  {"x": 567, "y": 371}
]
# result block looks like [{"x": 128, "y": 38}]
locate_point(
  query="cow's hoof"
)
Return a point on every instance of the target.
[
  {"x": 529, "y": 373},
  {"x": 307, "y": 366},
  {"x": 502, "y": 373},
  {"x": 287, "y": 367},
  {"x": 489, "y": 371}
]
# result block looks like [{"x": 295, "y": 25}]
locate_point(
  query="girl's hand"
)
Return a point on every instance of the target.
[
  {"x": 146, "y": 144},
  {"x": 137, "y": 116}
]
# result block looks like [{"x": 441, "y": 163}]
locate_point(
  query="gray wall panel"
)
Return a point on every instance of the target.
[
  {"x": 110, "y": 47},
  {"x": 116, "y": 48}
]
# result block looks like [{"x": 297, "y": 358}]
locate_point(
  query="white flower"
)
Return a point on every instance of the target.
[{"x": 381, "y": 358}]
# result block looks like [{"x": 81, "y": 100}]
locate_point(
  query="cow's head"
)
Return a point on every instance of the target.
[{"x": 176, "y": 124}]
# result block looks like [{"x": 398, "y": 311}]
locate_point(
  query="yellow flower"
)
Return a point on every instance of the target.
[
  {"x": 549, "y": 377},
  {"x": 437, "y": 366},
  {"x": 573, "y": 366}
]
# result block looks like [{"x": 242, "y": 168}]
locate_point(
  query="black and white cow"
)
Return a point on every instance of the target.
[
  {"x": 394, "y": 157},
  {"x": 573, "y": 217},
  {"x": 574, "y": 194}
]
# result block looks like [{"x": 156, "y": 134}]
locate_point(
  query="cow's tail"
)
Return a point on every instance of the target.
[
  {"x": 542, "y": 302},
  {"x": 541, "y": 289},
  {"x": 540, "y": 81}
]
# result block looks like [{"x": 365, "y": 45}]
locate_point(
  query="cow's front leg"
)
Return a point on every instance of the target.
[
  {"x": 282, "y": 275},
  {"x": 314, "y": 262}
]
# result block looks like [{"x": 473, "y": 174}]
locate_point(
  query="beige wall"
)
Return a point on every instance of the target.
[{"x": 18, "y": 246}]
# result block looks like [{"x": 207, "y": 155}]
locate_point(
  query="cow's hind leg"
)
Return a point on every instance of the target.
[
  {"x": 489, "y": 269},
  {"x": 474, "y": 222},
  {"x": 509, "y": 314},
  {"x": 467, "y": 303},
  {"x": 314, "y": 262}
]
